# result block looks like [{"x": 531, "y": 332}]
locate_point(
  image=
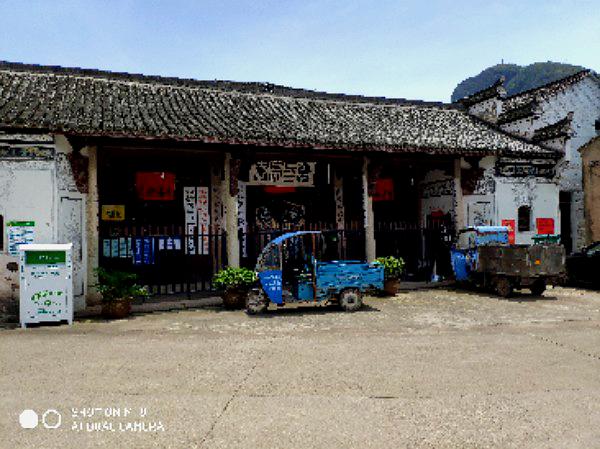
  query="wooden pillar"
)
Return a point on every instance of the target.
[
  {"x": 230, "y": 204},
  {"x": 369, "y": 218},
  {"x": 459, "y": 210},
  {"x": 92, "y": 225}
]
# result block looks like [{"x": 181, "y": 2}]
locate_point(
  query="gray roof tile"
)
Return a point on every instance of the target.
[{"x": 89, "y": 102}]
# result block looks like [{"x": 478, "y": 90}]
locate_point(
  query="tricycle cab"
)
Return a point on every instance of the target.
[
  {"x": 291, "y": 270},
  {"x": 464, "y": 254}
]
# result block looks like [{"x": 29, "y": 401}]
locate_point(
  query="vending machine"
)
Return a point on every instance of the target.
[{"x": 46, "y": 283}]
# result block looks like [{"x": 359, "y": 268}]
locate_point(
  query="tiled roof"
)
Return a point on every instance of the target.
[
  {"x": 496, "y": 90},
  {"x": 522, "y": 98},
  {"x": 562, "y": 128},
  {"x": 519, "y": 112},
  {"x": 95, "y": 103}
]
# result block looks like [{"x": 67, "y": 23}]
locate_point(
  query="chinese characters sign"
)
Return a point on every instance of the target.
[
  {"x": 510, "y": 224},
  {"x": 155, "y": 186},
  {"x": 197, "y": 215},
  {"x": 545, "y": 226},
  {"x": 281, "y": 173},
  {"x": 113, "y": 212}
]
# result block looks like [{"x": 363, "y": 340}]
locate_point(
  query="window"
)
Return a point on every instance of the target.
[{"x": 524, "y": 215}]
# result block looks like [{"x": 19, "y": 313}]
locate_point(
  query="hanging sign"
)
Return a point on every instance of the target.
[
  {"x": 113, "y": 212},
  {"x": 545, "y": 226},
  {"x": 282, "y": 173},
  {"x": 196, "y": 208},
  {"x": 384, "y": 190},
  {"x": 510, "y": 224},
  {"x": 203, "y": 218},
  {"x": 155, "y": 186},
  {"x": 19, "y": 232}
]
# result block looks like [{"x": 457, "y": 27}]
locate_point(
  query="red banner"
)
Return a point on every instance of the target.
[
  {"x": 510, "y": 224},
  {"x": 155, "y": 186},
  {"x": 544, "y": 226},
  {"x": 384, "y": 190}
]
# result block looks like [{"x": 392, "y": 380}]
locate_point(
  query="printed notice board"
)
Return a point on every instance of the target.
[
  {"x": 19, "y": 233},
  {"x": 46, "y": 283}
]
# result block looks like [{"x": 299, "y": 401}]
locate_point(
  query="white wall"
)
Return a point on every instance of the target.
[
  {"x": 438, "y": 194},
  {"x": 540, "y": 194},
  {"x": 43, "y": 190},
  {"x": 583, "y": 99},
  {"x": 27, "y": 193}
]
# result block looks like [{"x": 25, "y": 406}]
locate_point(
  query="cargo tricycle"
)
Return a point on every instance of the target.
[
  {"x": 294, "y": 269},
  {"x": 483, "y": 257}
]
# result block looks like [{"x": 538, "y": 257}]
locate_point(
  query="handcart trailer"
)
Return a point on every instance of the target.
[
  {"x": 290, "y": 271},
  {"x": 483, "y": 257}
]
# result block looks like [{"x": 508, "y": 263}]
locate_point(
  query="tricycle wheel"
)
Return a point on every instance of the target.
[
  {"x": 504, "y": 287},
  {"x": 538, "y": 288},
  {"x": 351, "y": 299},
  {"x": 256, "y": 302}
]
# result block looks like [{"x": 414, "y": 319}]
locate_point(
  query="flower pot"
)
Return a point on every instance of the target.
[
  {"x": 235, "y": 298},
  {"x": 117, "y": 309},
  {"x": 391, "y": 286}
]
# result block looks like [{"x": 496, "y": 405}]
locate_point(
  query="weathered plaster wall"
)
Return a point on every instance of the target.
[
  {"x": 479, "y": 205},
  {"x": 539, "y": 194},
  {"x": 28, "y": 192},
  {"x": 38, "y": 183},
  {"x": 583, "y": 99},
  {"x": 487, "y": 110},
  {"x": 591, "y": 184},
  {"x": 437, "y": 194}
]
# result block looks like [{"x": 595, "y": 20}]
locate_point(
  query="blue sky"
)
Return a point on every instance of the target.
[{"x": 412, "y": 49}]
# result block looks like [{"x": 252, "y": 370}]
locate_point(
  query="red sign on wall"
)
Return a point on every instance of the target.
[
  {"x": 384, "y": 190},
  {"x": 510, "y": 224},
  {"x": 155, "y": 186},
  {"x": 544, "y": 226}
]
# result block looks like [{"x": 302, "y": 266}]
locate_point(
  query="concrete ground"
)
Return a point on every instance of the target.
[{"x": 427, "y": 369}]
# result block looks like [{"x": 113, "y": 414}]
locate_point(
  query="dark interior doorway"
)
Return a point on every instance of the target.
[{"x": 565, "y": 221}]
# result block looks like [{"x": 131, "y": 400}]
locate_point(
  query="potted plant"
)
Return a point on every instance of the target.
[
  {"x": 118, "y": 289},
  {"x": 393, "y": 268},
  {"x": 235, "y": 283}
]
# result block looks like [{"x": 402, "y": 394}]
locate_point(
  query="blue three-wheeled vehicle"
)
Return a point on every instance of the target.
[{"x": 294, "y": 268}]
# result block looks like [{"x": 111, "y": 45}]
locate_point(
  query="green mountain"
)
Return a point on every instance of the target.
[{"x": 518, "y": 78}]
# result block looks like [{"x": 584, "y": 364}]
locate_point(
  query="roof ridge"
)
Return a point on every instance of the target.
[
  {"x": 252, "y": 87},
  {"x": 581, "y": 73}
]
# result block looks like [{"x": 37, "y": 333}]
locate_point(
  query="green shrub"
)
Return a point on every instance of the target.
[
  {"x": 114, "y": 285},
  {"x": 392, "y": 267},
  {"x": 230, "y": 278}
]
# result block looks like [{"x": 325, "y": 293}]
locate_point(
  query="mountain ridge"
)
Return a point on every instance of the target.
[{"x": 517, "y": 78}]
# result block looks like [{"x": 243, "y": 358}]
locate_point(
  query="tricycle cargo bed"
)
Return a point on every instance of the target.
[{"x": 521, "y": 260}]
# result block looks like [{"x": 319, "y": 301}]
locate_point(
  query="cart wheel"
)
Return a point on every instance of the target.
[
  {"x": 351, "y": 299},
  {"x": 538, "y": 288},
  {"x": 504, "y": 287},
  {"x": 256, "y": 302}
]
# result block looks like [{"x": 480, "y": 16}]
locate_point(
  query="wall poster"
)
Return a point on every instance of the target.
[
  {"x": 196, "y": 207},
  {"x": 113, "y": 212},
  {"x": 155, "y": 186},
  {"x": 19, "y": 233},
  {"x": 544, "y": 226},
  {"x": 510, "y": 224}
]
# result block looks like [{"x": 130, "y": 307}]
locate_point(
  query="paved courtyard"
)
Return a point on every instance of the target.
[{"x": 427, "y": 369}]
